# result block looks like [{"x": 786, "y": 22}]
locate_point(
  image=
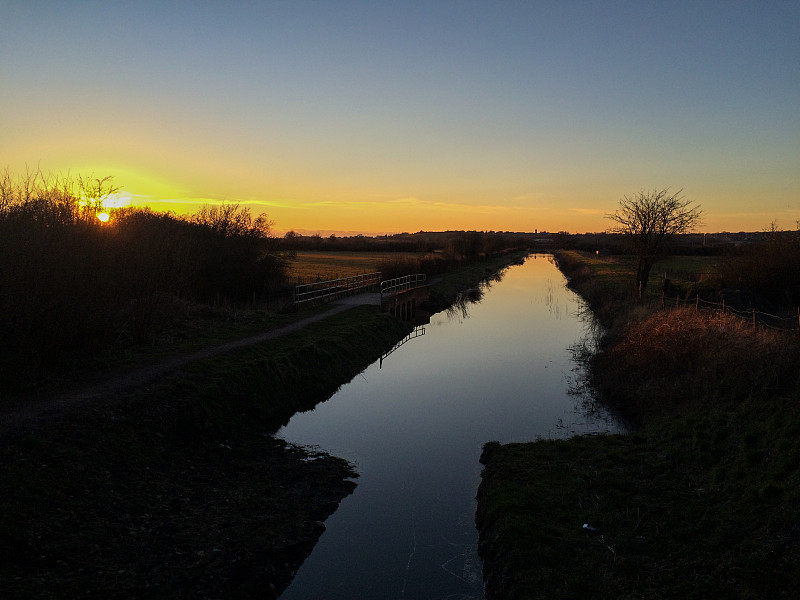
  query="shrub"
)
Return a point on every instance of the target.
[
  {"x": 770, "y": 268},
  {"x": 692, "y": 357},
  {"x": 71, "y": 285}
]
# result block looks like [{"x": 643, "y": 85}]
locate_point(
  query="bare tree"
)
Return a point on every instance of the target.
[
  {"x": 228, "y": 219},
  {"x": 95, "y": 192},
  {"x": 648, "y": 219}
]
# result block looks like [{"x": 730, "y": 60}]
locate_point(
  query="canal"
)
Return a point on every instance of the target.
[{"x": 500, "y": 368}]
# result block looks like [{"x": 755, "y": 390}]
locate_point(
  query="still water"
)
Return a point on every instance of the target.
[{"x": 414, "y": 425}]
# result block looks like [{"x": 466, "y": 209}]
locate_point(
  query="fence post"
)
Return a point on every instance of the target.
[
  {"x": 697, "y": 303},
  {"x": 723, "y": 306},
  {"x": 754, "y": 318}
]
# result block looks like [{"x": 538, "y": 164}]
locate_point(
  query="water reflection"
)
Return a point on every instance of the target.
[
  {"x": 579, "y": 383},
  {"x": 459, "y": 310},
  {"x": 496, "y": 367},
  {"x": 418, "y": 331}
]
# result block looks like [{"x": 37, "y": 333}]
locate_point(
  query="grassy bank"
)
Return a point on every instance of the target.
[
  {"x": 175, "y": 489},
  {"x": 701, "y": 501}
]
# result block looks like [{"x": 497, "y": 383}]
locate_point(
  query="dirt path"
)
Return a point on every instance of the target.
[
  {"x": 16, "y": 413},
  {"x": 105, "y": 494}
]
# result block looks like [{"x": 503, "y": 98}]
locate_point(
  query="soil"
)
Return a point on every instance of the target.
[{"x": 102, "y": 496}]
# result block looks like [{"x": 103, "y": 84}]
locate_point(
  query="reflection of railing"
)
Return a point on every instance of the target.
[
  {"x": 335, "y": 288},
  {"x": 400, "y": 284},
  {"x": 417, "y": 332}
]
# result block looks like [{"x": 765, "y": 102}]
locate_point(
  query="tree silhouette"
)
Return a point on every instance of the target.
[{"x": 648, "y": 219}]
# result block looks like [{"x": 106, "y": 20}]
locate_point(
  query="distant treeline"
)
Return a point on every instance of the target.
[{"x": 456, "y": 244}]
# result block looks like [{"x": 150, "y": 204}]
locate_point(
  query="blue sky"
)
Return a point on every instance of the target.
[{"x": 401, "y": 116}]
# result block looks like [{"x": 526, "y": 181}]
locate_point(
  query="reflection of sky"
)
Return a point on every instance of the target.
[{"x": 415, "y": 429}]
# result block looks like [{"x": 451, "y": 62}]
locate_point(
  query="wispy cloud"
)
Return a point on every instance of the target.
[{"x": 588, "y": 211}]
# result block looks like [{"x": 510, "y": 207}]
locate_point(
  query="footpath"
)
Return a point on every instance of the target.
[{"x": 34, "y": 407}]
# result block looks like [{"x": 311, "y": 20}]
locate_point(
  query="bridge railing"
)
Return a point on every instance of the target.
[
  {"x": 400, "y": 284},
  {"x": 335, "y": 288},
  {"x": 418, "y": 331}
]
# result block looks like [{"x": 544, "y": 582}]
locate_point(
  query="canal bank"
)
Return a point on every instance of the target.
[
  {"x": 170, "y": 488},
  {"x": 699, "y": 501}
]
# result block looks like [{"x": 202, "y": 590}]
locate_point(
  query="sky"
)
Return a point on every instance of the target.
[{"x": 392, "y": 116}]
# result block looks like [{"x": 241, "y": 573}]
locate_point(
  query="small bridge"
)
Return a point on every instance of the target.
[
  {"x": 334, "y": 289},
  {"x": 400, "y": 296}
]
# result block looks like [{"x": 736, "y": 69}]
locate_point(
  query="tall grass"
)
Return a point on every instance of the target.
[{"x": 682, "y": 357}]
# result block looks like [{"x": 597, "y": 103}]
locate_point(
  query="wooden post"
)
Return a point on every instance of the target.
[
  {"x": 697, "y": 303},
  {"x": 723, "y": 306},
  {"x": 754, "y": 318}
]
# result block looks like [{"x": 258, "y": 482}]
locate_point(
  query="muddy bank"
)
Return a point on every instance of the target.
[{"x": 101, "y": 512}]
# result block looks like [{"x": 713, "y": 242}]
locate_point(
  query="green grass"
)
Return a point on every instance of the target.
[
  {"x": 702, "y": 506},
  {"x": 271, "y": 381},
  {"x": 700, "y": 502}
]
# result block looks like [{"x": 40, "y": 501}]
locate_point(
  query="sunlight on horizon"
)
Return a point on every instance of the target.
[{"x": 413, "y": 116}]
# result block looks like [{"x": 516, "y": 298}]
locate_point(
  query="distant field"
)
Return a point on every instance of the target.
[
  {"x": 689, "y": 264},
  {"x": 309, "y": 265}
]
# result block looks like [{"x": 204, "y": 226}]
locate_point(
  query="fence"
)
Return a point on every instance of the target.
[
  {"x": 756, "y": 317},
  {"x": 400, "y": 284},
  {"x": 336, "y": 288}
]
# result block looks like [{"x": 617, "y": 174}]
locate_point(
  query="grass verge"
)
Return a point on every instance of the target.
[
  {"x": 176, "y": 490},
  {"x": 701, "y": 501}
]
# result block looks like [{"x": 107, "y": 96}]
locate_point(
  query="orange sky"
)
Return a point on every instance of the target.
[{"x": 365, "y": 117}]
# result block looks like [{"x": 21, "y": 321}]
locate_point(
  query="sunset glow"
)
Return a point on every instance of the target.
[{"x": 376, "y": 118}]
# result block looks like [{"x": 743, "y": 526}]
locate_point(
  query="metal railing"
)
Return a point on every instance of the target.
[
  {"x": 418, "y": 331},
  {"x": 751, "y": 315},
  {"x": 401, "y": 284},
  {"x": 335, "y": 288}
]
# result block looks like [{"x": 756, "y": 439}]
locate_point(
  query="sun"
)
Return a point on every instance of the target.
[{"x": 103, "y": 216}]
